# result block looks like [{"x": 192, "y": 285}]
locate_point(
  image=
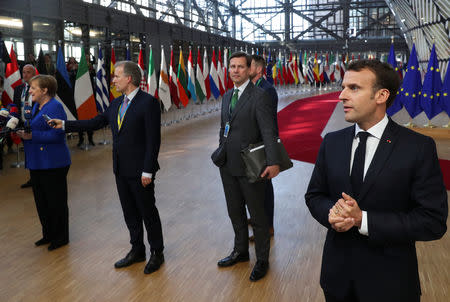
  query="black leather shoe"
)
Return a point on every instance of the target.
[
  {"x": 156, "y": 259},
  {"x": 42, "y": 241},
  {"x": 27, "y": 184},
  {"x": 260, "y": 270},
  {"x": 130, "y": 258},
  {"x": 233, "y": 258},
  {"x": 56, "y": 245}
]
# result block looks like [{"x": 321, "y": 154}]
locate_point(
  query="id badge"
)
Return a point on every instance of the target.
[{"x": 227, "y": 129}]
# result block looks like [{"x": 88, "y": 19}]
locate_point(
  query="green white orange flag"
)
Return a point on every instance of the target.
[
  {"x": 164, "y": 89},
  {"x": 151, "y": 79},
  {"x": 84, "y": 95}
]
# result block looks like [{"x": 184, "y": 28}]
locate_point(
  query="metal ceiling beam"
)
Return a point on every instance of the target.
[
  {"x": 171, "y": 7},
  {"x": 235, "y": 10},
  {"x": 318, "y": 24}
]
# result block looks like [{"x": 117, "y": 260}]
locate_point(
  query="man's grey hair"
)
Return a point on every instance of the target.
[
  {"x": 30, "y": 66},
  {"x": 131, "y": 69}
]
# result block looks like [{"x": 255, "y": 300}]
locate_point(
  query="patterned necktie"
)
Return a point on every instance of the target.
[
  {"x": 234, "y": 99},
  {"x": 357, "y": 175},
  {"x": 124, "y": 106}
]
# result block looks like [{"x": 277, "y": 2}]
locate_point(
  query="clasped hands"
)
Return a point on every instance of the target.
[{"x": 345, "y": 214}]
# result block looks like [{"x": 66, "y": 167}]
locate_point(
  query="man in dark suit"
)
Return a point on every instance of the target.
[
  {"x": 377, "y": 187},
  {"x": 135, "y": 121},
  {"x": 22, "y": 98},
  {"x": 256, "y": 76},
  {"x": 246, "y": 119}
]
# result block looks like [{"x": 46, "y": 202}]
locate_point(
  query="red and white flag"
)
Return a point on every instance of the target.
[
  {"x": 173, "y": 80},
  {"x": 12, "y": 79}
]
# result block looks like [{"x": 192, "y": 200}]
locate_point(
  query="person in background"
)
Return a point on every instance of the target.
[
  {"x": 256, "y": 76},
  {"x": 48, "y": 159},
  {"x": 22, "y": 98},
  {"x": 246, "y": 119},
  {"x": 49, "y": 64}
]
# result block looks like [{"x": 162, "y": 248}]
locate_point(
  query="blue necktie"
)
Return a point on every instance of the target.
[{"x": 124, "y": 106}]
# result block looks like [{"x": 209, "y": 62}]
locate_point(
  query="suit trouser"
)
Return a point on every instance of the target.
[
  {"x": 50, "y": 196},
  {"x": 269, "y": 202},
  {"x": 238, "y": 193},
  {"x": 138, "y": 205}
]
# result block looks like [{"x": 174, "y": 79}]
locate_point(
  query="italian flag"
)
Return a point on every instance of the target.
[
  {"x": 152, "y": 89},
  {"x": 84, "y": 95}
]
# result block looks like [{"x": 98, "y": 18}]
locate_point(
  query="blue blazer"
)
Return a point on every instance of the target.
[
  {"x": 136, "y": 144},
  {"x": 48, "y": 148}
]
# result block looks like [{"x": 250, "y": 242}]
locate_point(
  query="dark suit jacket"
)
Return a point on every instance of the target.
[
  {"x": 251, "y": 122},
  {"x": 267, "y": 87},
  {"x": 136, "y": 144},
  {"x": 17, "y": 97},
  {"x": 405, "y": 199}
]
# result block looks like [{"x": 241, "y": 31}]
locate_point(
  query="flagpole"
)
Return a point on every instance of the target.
[
  {"x": 104, "y": 142},
  {"x": 86, "y": 146}
]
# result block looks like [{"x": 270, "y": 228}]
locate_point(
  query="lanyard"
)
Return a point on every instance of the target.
[
  {"x": 119, "y": 117},
  {"x": 258, "y": 82}
]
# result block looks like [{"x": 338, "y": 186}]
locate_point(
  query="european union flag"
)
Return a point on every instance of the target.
[
  {"x": 396, "y": 106},
  {"x": 269, "y": 76},
  {"x": 409, "y": 94},
  {"x": 432, "y": 86},
  {"x": 445, "y": 97},
  {"x": 128, "y": 54}
]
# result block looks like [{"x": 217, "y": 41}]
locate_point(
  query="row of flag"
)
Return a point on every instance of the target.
[
  {"x": 301, "y": 68},
  {"x": 177, "y": 85},
  {"x": 431, "y": 96}
]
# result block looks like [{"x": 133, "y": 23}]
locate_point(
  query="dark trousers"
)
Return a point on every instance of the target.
[
  {"x": 353, "y": 295},
  {"x": 269, "y": 202},
  {"x": 238, "y": 193},
  {"x": 50, "y": 196},
  {"x": 138, "y": 205}
]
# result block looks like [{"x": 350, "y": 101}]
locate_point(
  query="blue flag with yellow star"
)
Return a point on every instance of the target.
[
  {"x": 445, "y": 96},
  {"x": 269, "y": 73},
  {"x": 432, "y": 86},
  {"x": 409, "y": 94},
  {"x": 396, "y": 106}
]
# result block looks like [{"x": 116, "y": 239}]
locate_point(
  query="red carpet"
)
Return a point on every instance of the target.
[{"x": 302, "y": 122}]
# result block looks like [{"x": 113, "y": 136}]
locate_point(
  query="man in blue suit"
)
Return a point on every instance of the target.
[
  {"x": 377, "y": 187},
  {"x": 256, "y": 76},
  {"x": 135, "y": 121}
]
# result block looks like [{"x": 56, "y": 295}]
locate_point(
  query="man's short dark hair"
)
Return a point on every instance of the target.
[
  {"x": 259, "y": 60},
  {"x": 385, "y": 76},
  {"x": 241, "y": 54}
]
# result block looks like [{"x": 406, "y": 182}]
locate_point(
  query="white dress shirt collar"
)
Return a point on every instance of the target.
[
  {"x": 132, "y": 94},
  {"x": 376, "y": 130},
  {"x": 242, "y": 88}
]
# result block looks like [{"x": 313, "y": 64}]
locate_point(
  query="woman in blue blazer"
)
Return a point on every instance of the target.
[{"x": 48, "y": 159}]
